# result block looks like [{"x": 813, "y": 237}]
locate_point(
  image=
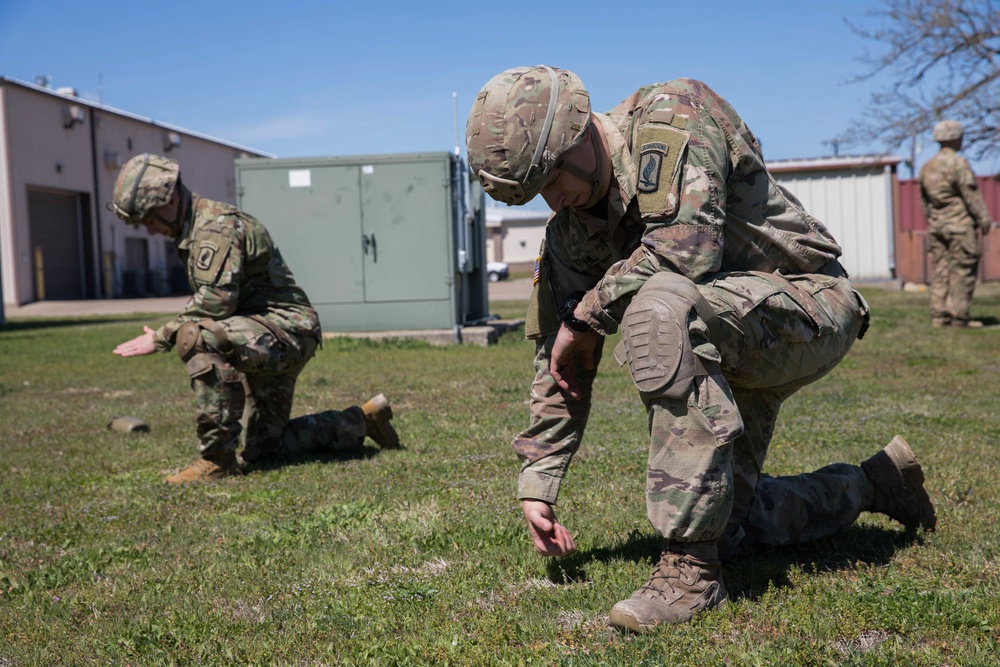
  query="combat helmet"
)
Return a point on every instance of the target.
[
  {"x": 522, "y": 121},
  {"x": 948, "y": 130},
  {"x": 146, "y": 182}
]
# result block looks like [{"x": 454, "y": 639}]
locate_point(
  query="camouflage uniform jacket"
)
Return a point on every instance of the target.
[
  {"x": 690, "y": 194},
  {"x": 949, "y": 194},
  {"x": 235, "y": 268}
]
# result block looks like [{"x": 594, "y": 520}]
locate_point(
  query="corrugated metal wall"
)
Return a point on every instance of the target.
[
  {"x": 856, "y": 206},
  {"x": 911, "y": 233}
]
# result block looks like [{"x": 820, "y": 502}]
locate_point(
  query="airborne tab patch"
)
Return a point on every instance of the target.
[{"x": 651, "y": 157}]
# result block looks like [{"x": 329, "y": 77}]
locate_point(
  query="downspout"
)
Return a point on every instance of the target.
[{"x": 99, "y": 266}]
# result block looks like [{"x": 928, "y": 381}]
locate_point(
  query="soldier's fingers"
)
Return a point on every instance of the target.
[{"x": 564, "y": 540}]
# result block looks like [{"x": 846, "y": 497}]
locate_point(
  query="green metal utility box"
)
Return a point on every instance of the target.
[{"x": 379, "y": 242}]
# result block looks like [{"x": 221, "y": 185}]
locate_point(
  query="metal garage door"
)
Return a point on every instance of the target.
[{"x": 56, "y": 235}]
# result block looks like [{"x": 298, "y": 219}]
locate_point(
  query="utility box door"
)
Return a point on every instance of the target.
[
  {"x": 405, "y": 212},
  {"x": 375, "y": 240},
  {"x": 314, "y": 215}
]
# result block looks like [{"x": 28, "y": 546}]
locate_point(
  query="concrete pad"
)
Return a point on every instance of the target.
[{"x": 481, "y": 335}]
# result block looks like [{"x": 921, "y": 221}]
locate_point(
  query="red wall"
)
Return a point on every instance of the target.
[{"x": 911, "y": 232}]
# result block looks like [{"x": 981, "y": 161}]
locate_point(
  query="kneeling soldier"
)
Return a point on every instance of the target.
[{"x": 244, "y": 336}]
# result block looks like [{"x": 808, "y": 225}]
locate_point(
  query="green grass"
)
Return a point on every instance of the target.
[{"x": 420, "y": 556}]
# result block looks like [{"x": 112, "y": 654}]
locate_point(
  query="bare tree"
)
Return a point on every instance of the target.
[{"x": 943, "y": 60}]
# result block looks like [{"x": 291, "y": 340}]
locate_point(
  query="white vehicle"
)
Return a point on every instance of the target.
[{"x": 497, "y": 271}]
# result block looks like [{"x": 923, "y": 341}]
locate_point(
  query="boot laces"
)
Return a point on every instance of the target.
[{"x": 671, "y": 570}]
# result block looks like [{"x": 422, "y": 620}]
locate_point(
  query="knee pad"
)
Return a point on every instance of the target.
[
  {"x": 189, "y": 340},
  {"x": 655, "y": 338}
]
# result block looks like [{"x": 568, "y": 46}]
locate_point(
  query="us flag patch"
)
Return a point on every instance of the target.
[{"x": 538, "y": 271}]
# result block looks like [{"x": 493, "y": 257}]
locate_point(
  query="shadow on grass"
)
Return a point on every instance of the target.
[
  {"x": 331, "y": 456},
  {"x": 749, "y": 576}
]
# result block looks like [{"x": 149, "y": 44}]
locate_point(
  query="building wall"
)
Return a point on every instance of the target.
[
  {"x": 856, "y": 205},
  {"x": 38, "y": 153},
  {"x": 42, "y": 155},
  {"x": 515, "y": 235},
  {"x": 522, "y": 241},
  {"x": 911, "y": 233}
]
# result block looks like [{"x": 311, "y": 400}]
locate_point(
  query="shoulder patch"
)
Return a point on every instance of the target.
[
  {"x": 209, "y": 255},
  {"x": 206, "y": 255},
  {"x": 660, "y": 149},
  {"x": 650, "y": 161}
]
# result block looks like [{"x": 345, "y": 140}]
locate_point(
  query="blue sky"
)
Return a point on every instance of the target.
[{"x": 306, "y": 78}]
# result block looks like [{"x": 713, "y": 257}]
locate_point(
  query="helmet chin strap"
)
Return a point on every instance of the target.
[{"x": 594, "y": 177}]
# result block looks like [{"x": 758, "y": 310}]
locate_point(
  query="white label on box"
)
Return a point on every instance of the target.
[{"x": 299, "y": 178}]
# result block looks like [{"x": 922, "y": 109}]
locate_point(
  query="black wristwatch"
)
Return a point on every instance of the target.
[{"x": 566, "y": 313}]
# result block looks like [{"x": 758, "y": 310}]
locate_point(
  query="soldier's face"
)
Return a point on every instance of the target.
[
  {"x": 564, "y": 190},
  {"x": 158, "y": 221},
  {"x": 154, "y": 227}
]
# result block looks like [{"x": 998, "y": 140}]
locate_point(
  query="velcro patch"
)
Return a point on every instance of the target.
[
  {"x": 661, "y": 148},
  {"x": 651, "y": 157}
]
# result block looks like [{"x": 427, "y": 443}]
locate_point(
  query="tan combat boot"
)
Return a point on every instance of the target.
[
  {"x": 686, "y": 580},
  {"x": 897, "y": 482},
  {"x": 207, "y": 469},
  {"x": 378, "y": 414}
]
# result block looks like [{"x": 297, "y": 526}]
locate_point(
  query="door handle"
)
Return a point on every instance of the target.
[{"x": 370, "y": 242}]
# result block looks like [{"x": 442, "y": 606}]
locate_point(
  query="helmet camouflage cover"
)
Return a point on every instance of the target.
[
  {"x": 146, "y": 182},
  {"x": 948, "y": 130},
  {"x": 522, "y": 121}
]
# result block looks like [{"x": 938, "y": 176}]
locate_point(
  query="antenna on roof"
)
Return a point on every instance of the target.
[{"x": 454, "y": 101}]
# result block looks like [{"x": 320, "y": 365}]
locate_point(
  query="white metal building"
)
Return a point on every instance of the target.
[
  {"x": 854, "y": 197},
  {"x": 59, "y": 156}
]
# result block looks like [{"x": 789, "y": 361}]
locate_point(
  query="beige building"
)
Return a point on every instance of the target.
[
  {"x": 59, "y": 155},
  {"x": 514, "y": 235}
]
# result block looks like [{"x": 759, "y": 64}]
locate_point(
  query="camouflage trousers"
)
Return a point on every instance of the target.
[
  {"x": 771, "y": 336},
  {"x": 253, "y": 387},
  {"x": 954, "y": 262}
]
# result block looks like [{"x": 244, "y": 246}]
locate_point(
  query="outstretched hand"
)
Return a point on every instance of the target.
[
  {"x": 138, "y": 346},
  {"x": 550, "y": 537}
]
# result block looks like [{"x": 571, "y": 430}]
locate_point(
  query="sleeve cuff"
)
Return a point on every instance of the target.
[
  {"x": 161, "y": 342},
  {"x": 600, "y": 320},
  {"x": 538, "y": 486}
]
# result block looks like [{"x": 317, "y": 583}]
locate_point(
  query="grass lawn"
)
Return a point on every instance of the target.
[{"x": 420, "y": 556}]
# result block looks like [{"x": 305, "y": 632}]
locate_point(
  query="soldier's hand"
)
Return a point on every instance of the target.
[
  {"x": 572, "y": 345},
  {"x": 138, "y": 346},
  {"x": 550, "y": 537}
]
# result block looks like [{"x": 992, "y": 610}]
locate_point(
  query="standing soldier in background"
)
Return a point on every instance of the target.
[
  {"x": 244, "y": 336},
  {"x": 729, "y": 297},
  {"x": 955, "y": 212}
]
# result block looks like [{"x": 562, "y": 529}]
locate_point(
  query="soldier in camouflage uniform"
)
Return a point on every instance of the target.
[
  {"x": 244, "y": 336},
  {"x": 955, "y": 212},
  {"x": 729, "y": 298}
]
